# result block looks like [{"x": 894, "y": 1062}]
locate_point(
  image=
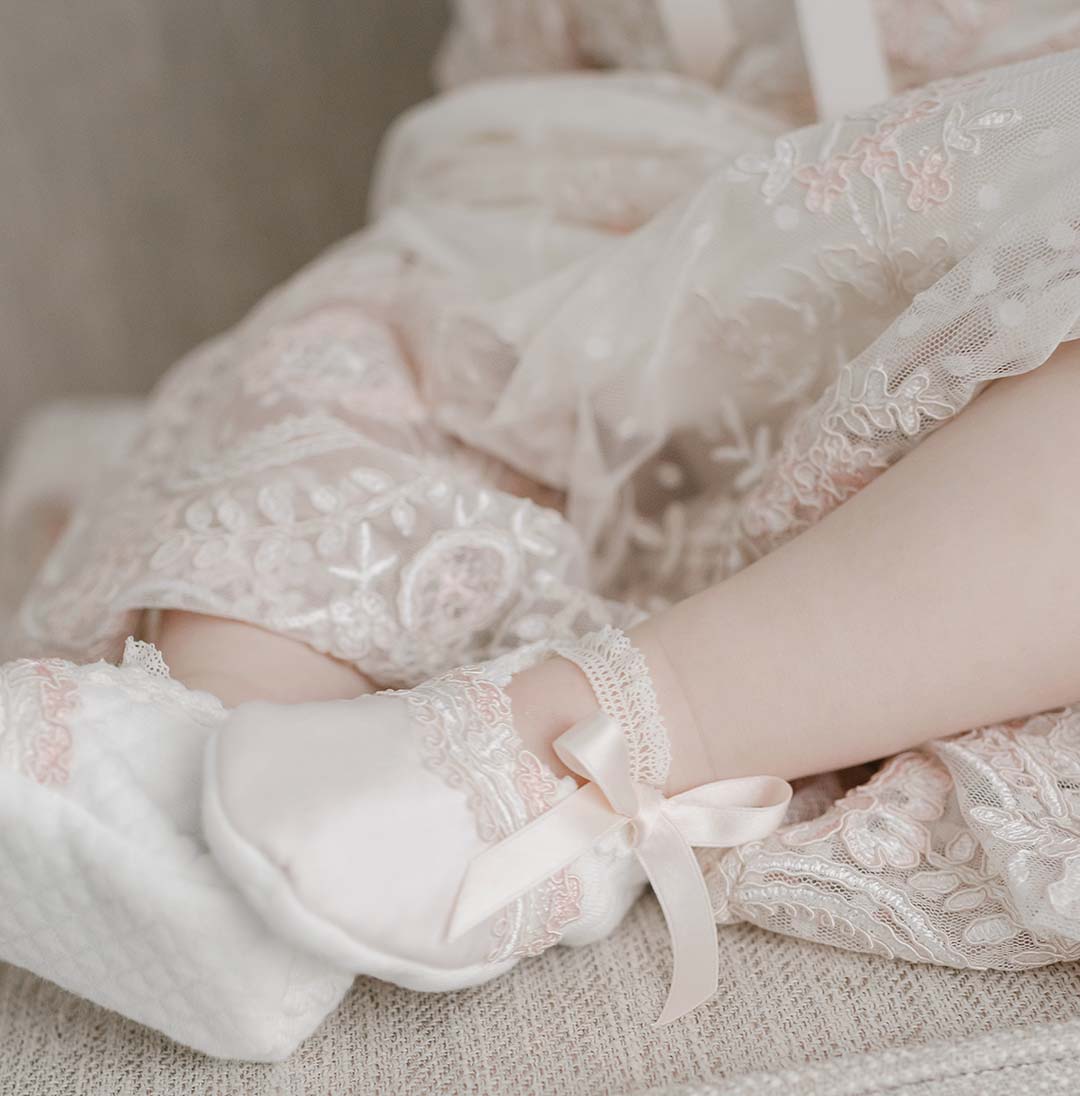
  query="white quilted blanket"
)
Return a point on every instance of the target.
[{"x": 106, "y": 887}]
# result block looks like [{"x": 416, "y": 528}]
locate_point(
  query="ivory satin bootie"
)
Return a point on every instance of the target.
[{"x": 412, "y": 837}]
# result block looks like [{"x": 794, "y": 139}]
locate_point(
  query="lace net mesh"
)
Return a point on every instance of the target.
[
  {"x": 687, "y": 335},
  {"x": 964, "y": 854}
]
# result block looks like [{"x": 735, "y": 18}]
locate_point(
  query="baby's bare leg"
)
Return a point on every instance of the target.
[
  {"x": 944, "y": 596},
  {"x": 238, "y": 662}
]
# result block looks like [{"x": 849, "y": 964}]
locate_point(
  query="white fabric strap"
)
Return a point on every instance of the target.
[{"x": 843, "y": 52}]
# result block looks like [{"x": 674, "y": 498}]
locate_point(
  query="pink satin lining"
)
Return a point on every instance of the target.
[{"x": 662, "y": 831}]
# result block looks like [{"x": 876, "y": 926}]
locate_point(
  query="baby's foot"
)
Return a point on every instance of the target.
[{"x": 411, "y": 836}]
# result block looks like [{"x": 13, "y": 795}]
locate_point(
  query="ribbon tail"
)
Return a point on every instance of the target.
[
  {"x": 730, "y": 812},
  {"x": 530, "y": 855},
  {"x": 680, "y": 888}
]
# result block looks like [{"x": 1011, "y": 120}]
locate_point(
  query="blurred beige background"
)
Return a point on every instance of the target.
[{"x": 164, "y": 162}]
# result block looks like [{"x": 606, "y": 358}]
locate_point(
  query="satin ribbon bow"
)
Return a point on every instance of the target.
[{"x": 662, "y": 831}]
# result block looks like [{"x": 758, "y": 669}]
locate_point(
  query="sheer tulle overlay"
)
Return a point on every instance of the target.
[{"x": 610, "y": 338}]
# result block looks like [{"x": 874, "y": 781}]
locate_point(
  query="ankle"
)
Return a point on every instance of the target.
[
  {"x": 547, "y": 700},
  {"x": 691, "y": 761},
  {"x": 632, "y": 679}
]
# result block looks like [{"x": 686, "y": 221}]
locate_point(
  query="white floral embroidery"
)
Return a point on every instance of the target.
[{"x": 459, "y": 582}]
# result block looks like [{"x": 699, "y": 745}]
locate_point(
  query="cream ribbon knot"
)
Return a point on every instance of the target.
[{"x": 663, "y": 831}]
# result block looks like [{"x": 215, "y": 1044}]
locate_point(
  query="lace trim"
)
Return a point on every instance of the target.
[
  {"x": 146, "y": 657},
  {"x": 146, "y": 678},
  {"x": 470, "y": 742},
  {"x": 37, "y": 701},
  {"x": 619, "y": 676}
]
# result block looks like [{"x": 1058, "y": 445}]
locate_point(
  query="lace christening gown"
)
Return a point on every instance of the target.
[{"x": 610, "y": 337}]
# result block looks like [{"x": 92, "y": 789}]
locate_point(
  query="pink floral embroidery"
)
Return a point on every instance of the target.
[
  {"x": 804, "y": 484},
  {"x": 823, "y": 183},
  {"x": 561, "y": 894},
  {"x": 929, "y": 183},
  {"x": 535, "y": 782},
  {"x": 49, "y": 759},
  {"x": 876, "y": 155},
  {"x": 470, "y": 741}
]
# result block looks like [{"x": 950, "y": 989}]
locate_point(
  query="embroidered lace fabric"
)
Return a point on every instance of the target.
[
  {"x": 964, "y": 853},
  {"x": 684, "y": 334},
  {"x": 471, "y": 743}
]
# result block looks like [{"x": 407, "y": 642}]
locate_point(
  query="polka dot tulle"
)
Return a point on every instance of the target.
[{"x": 610, "y": 338}]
